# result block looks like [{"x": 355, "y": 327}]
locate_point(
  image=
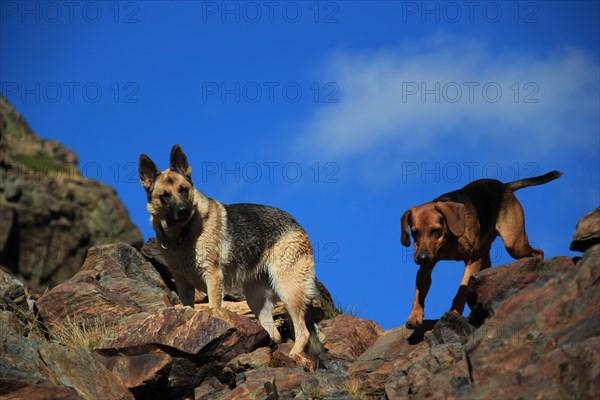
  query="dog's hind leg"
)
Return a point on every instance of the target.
[
  {"x": 511, "y": 228},
  {"x": 292, "y": 289},
  {"x": 259, "y": 296},
  {"x": 291, "y": 269}
]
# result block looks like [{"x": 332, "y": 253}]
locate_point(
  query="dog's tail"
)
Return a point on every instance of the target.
[
  {"x": 314, "y": 348},
  {"x": 536, "y": 180}
]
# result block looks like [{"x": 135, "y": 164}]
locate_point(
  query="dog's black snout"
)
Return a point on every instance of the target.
[
  {"x": 182, "y": 212},
  {"x": 422, "y": 258}
]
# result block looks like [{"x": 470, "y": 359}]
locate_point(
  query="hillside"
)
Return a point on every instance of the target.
[{"x": 50, "y": 214}]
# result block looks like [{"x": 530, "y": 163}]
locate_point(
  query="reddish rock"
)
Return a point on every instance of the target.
[
  {"x": 347, "y": 337},
  {"x": 93, "y": 381},
  {"x": 268, "y": 383},
  {"x": 115, "y": 282},
  {"x": 543, "y": 322},
  {"x": 260, "y": 357},
  {"x": 587, "y": 232},
  {"x": 20, "y": 390},
  {"x": 491, "y": 287},
  {"x": 138, "y": 371},
  {"x": 210, "y": 389},
  {"x": 173, "y": 351},
  {"x": 387, "y": 359}
]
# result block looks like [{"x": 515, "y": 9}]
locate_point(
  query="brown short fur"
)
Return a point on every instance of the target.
[{"x": 462, "y": 225}]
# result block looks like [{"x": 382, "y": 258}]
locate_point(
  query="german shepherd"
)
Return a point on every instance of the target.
[{"x": 207, "y": 243}]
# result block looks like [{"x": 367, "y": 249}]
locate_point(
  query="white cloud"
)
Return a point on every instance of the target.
[{"x": 417, "y": 94}]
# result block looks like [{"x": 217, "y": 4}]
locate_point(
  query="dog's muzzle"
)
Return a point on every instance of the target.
[
  {"x": 423, "y": 257},
  {"x": 181, "y": 213}
]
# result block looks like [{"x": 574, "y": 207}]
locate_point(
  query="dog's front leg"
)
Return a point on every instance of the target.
[
  {"x": 415, "y": 319},
  {"x": 185, "y": 290},
  {"x": 458, "y": 304},
  {"x": 214, "y": 283}
]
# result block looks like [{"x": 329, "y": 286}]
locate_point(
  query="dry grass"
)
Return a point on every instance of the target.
[
  {"x": 314, "y": 393},
  {"x": 355, "y": 388},
  {"x": 81, "y": 333}
]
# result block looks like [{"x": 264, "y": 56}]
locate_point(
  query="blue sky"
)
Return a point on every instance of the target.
[{"x": 343, "y": 113}]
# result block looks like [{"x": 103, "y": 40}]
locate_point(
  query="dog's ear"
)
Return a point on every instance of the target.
[
  {"x": 179, "y": 162},
  {"x": 148, "y": 172},
  {"x": 405, "y": 221},
  {"x": 454, "y": 214}
]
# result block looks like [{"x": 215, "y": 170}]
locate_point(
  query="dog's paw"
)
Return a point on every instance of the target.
[
  {"x": 414, "y": 321},
  {"x": 220, "y": 313},
  {"x": 412, "y": 325}
]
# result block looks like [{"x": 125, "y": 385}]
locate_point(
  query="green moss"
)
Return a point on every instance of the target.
[{"x": 41, "y": 163}]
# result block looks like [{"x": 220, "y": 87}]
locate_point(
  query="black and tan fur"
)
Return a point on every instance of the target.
[
  {"x": 462, "y": 226},
  {"x": 207, "y": 244}
]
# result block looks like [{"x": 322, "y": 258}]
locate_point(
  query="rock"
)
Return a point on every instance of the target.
[
  {"x": 114, "y": 282},
  {"x": 174, "y": 350},
  {"x": 388, "y": 359},
  {"x": 260, "y": 357},
  {"x": 347, "y": 337},
  {"x": 140, "y": 373},
  {"x": 587, "y": 232},
  {"x": 19, "y": 390},
  {"x": 210, "y": 389},
  {"x": 53, "y": 214},
  {"x": 19, "y": 357},
  {"x": 451, "y": 328},
  {"x": 543, "y": 337},
  {"x": 490, "y": 287},
  {"x": 92, "y": 382}
]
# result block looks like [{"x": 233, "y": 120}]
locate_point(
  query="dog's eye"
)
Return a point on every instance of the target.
[
  {"x": 415, "y": 234},
  {"x": 165, "y": 197},
  {"x": 436, "y": 233},
  {"x": 184, "y": 190}
]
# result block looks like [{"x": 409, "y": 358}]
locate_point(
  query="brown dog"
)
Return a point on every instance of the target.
[{"x": 462, "y": 226}]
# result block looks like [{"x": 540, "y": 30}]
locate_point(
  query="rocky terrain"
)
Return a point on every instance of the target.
[
  {"x": 44, "y": 198},
  {"x": 116, "y": 330},
  {"x": 112, "y": 327}
]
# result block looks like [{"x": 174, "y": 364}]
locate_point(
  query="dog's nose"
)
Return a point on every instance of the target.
[
  {"x": 422, "y": 258},
  {"x": 182, "y": 212}
]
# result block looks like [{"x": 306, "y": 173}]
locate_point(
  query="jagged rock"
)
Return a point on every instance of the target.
[
  {"x": 114, "y": 282},
  {"x": 260, "y": 357},
  {"x": 538, "y": 328},
  {"x": 53, "y": 214},
  {"x": 451, "y": 328},
  {"x": 174, "y": 350},
  {"x": 19, "y": 358},
  {"x": 489, "y": 288},
  {"x": 92, "y": 382},
  {"x": 542, "y": 338},
  {"x": 32, "y": 367},
  {"x": 346, "y": 338},
  {"x": 587, "y": 232},
  {"x": 19, "y": 390},
  {"x": 386, "y": 360}
]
